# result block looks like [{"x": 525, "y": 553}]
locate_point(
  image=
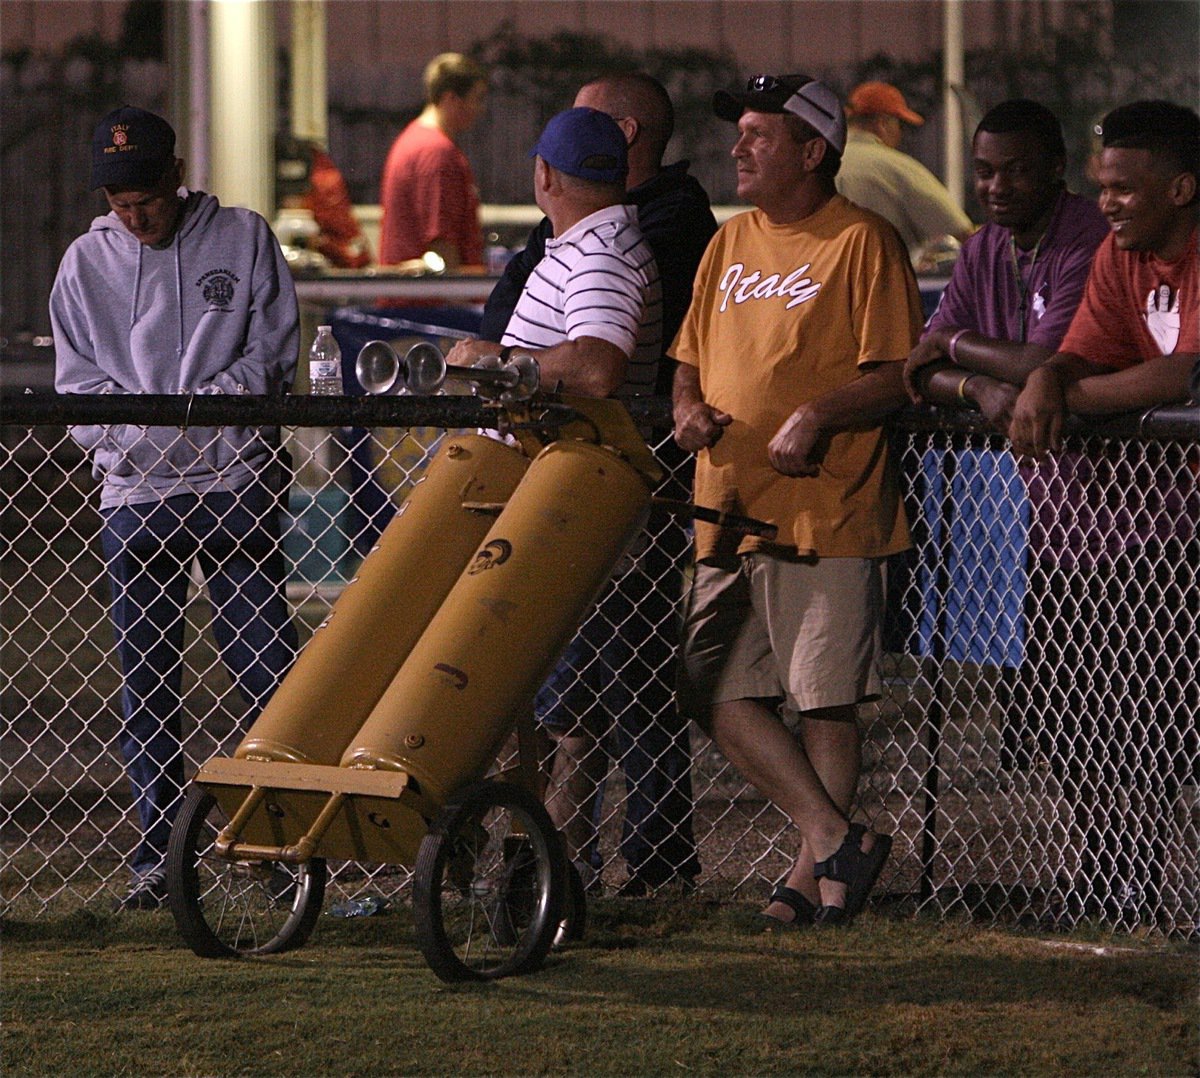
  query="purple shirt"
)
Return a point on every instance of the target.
[{"x": 983, "y": 294}]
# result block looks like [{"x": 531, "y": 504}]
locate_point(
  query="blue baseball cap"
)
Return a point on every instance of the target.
[
  {"x": 586, "y": 143},
  {"x": 131, "y": 148}
]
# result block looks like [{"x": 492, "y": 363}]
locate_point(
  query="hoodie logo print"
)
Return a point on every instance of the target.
[{"x": 217, "y": 286}]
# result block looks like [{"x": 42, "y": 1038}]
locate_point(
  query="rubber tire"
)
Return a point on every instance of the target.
[
  {"x": 466, "y": 928},
  {"x": 202, "y": 891}
]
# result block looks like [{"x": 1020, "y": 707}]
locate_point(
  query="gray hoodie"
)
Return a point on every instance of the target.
[{"x": 214, "y": 311}]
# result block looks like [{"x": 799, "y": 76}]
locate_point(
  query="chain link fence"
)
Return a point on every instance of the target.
[{"x": 1035, "y": 750}]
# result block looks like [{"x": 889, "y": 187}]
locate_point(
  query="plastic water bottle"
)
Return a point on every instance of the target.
[
  {"x": 325, "y": 365},
  {"x": 371, "y": 906}
]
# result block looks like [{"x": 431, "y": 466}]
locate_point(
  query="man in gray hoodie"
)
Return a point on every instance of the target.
[{"x": 172, "y": 293}]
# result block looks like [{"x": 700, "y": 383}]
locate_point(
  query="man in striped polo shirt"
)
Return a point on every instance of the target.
[{"x": 590, "y": 313}]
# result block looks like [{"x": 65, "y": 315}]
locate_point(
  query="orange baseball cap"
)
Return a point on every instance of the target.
[{"x": 880, "y": 99}]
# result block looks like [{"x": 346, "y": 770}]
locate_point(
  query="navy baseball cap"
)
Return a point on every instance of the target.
[
  {"x": 814, "y": 102},
  {"x": 131, "y": 148},
  {"x": 585, "y": 143}
]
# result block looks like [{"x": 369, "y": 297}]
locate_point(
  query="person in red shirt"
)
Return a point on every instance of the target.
[
  {"x": 1126, "y": 740},
  {"x": 341, "y": 238},
  {"x": 1136, "y": 335},
  {"x": 428, "y": 192}
]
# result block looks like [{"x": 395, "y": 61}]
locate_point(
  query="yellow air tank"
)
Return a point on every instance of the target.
[
  {"x": 354, "y": 655},
  {"x": 504, "y": 624}
]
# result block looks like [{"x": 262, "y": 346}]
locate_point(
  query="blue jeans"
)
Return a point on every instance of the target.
[
  {"x": 621, "y": 666},
  {"x": 149, "y": 550}
]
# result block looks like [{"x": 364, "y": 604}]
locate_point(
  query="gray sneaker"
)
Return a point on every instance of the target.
[{"x": 147, "y": 892}]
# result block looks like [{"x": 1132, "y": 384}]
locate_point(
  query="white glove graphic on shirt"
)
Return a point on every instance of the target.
[{"x": 1162, "y": 318}]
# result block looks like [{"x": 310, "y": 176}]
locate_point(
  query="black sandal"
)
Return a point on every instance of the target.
[
  {"x": 857, "y": 869},
  {"x": 804, "y": 912}
]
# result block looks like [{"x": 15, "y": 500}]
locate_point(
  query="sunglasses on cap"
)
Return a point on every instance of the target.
[{"x": 764, "y": 84}]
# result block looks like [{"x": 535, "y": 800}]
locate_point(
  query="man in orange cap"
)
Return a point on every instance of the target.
[{"x": 877, "y": 175}]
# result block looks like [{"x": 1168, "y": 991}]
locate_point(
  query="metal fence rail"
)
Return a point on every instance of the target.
[{"x": 1035, "y": 751}]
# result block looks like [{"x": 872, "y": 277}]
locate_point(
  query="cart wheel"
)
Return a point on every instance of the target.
[
  {"x": 229, "y": 908},
  {"x": 489, "y": 885}
]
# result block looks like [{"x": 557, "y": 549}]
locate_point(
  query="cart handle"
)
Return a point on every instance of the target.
[{"x": 731, "y": 521}]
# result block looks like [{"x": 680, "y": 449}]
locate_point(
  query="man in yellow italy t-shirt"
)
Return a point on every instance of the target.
[{"x": 786, "y": 370}]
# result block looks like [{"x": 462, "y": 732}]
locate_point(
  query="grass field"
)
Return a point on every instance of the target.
[{"x": 657, "y": 988}]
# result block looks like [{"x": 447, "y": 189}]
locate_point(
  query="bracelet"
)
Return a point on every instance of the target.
[{"x": 950, "y": 348}]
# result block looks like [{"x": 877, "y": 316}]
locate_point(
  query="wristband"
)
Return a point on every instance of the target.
[{"x": 950, "y": 348}]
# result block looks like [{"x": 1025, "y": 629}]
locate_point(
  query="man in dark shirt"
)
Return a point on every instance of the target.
[{"x": 623, "y": 661}]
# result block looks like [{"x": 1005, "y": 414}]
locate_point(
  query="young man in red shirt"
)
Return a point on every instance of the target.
[
  {"x": 1136, "y": 335},
  {"x": 1126, "y": 657}
]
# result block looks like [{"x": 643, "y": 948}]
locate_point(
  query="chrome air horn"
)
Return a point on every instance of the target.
[{"x": 423, "y": 370}]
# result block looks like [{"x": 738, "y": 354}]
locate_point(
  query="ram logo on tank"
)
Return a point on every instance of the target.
[{"x": 496, "y": 552}]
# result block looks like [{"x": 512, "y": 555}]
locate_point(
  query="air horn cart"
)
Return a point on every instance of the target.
[{"x": 377, "y": 745}]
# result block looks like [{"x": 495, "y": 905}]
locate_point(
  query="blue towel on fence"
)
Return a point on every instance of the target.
[{"x": 988, "y": 513}]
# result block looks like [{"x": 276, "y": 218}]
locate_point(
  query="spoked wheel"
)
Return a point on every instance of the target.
[
  {"x": 228, "y": 908},
  {"x": 490, "y": 885}
]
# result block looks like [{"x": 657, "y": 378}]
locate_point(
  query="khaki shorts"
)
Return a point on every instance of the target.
[{"x": 804, "y": 632}]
